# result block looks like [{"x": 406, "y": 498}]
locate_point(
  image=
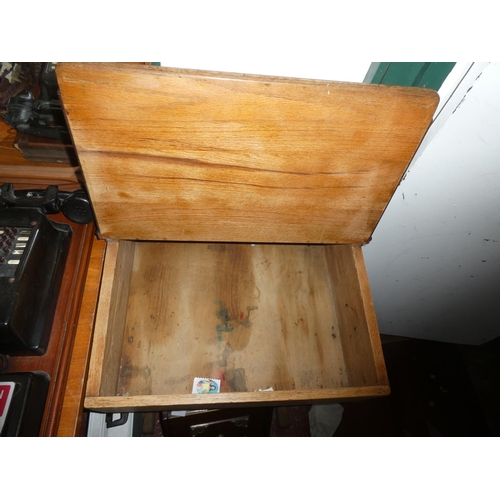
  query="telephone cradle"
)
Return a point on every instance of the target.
[{"x": 33, "y": 252}]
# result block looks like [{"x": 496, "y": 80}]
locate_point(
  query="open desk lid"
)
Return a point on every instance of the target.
[{"x": 186, "y": 155}]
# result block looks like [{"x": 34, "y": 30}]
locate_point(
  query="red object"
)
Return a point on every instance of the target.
[{"x": 4, "y": 397}]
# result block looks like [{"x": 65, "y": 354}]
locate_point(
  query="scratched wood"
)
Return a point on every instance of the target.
[
  {"x": 197, "y": 156},
  {"x": 253, "y": 316},
  {"x": 356, "y": 314}
]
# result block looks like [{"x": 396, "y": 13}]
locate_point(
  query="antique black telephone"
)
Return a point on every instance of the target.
[{"x": 33, "y": 251}]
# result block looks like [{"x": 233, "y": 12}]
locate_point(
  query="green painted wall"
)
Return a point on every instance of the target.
[{"x": 411, "y": 74}]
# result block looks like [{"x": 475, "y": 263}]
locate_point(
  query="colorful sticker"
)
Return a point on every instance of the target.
[{"x": 206, "y": 385}]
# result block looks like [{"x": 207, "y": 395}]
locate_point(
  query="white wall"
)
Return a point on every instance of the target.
[{"x": 434, "y": 260}]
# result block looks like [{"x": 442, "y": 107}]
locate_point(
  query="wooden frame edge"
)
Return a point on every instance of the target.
[
  {"x": 71, "y": 413},
  {"x": 231, "y": 399},
  {"x": 102, "y": 318},
  {"x": 371, "y": 318}
]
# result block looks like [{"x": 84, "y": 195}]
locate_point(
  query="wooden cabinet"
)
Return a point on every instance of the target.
[{"x": 234, "y": 209}]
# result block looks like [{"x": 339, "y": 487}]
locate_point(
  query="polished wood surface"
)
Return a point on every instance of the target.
[
  {"x": 55, "y": 362},
  {"x": 70, "y": 422},
  {"x": 25, "y": 174},
  {"x": 10, "y": 155},
  {"x": 41, "y": 149},
  {"x": 198, "y": 156},
  {"x": 39, "y": 177},
  {"x": 252, "y": 316}
]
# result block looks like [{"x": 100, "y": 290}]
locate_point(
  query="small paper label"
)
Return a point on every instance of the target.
[{"x": 206, "y": 385}]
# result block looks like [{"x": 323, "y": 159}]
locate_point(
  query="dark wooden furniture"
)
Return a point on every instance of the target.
[
  {"x": 56, "y": 361},
  {"x": 26, "y": 174},
  {"x": 41, "y": 149}
]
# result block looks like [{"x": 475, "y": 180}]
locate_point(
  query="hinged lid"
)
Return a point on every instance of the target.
[{"x": 198, "y": 156}]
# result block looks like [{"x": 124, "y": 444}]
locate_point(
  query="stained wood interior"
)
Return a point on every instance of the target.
[
  {"x": 183, "y": 155},
  {"x": 253, "y": 316}
]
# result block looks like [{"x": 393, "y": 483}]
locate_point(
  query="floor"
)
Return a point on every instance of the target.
[{"x": 437, "y": 389}]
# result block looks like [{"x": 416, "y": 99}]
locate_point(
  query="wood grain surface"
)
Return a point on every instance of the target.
[
  {"x": 356, "y": 314},
  {"x": 198, "y": 156},
  {"x": 222, "y": 400},
  {"x": 10, "y": 155},
  {"x": 72, "y": 408},
  {"x": 102, "y": 320},
  {"x": 252, "y": 316},
  {"x": 25, "y": 174},
  {"x": 40, "y": 176}
]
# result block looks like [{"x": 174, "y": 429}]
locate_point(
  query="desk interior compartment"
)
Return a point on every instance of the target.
[{"x": 295, "y": 318}]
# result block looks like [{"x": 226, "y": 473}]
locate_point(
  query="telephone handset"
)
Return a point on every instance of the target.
[{"x": 75, "y": 206}]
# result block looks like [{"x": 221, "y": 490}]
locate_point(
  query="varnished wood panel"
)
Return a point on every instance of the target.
[
  {"x": 9, "y": 155},
  {"x": 41, "y": 176},
  {"x": 199, "y": 156},
  {"x": 42, "y": 149},
  {"x": 25, "y": 174},
  {"x": 72, "y": 408}
]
